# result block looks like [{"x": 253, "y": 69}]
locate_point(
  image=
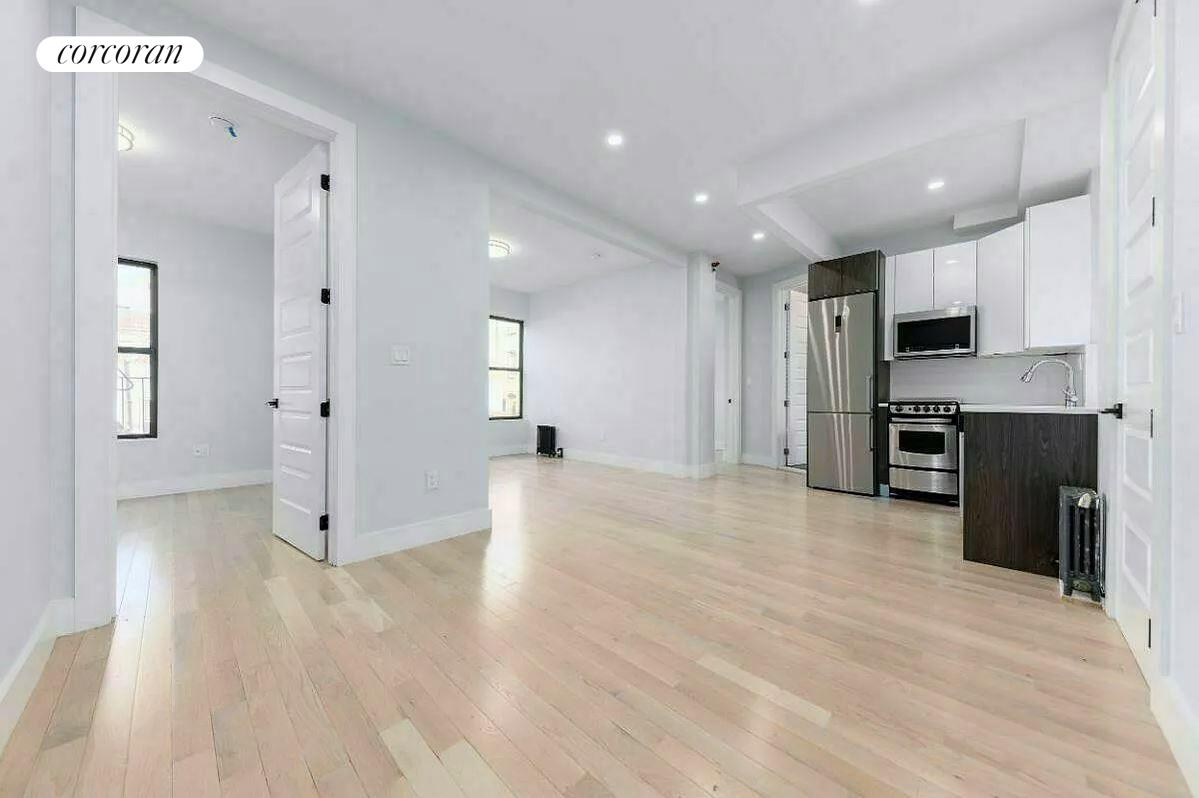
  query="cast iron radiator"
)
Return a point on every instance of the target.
[
  {"x": 547, "y": 441},
  {"x": 1080, "y": 520}
]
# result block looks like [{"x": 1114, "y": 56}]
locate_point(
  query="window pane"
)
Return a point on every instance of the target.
[
  {"x": 503, "y": 394},
  {"x": 505, "y": 344},
  {"x": 134, "y": 386},
  {"x": 133, "y": 306}
]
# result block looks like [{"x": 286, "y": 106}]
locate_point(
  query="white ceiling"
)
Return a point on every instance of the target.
[
  {"x": 182, "y": 164},
  {"x": 546, "y": 253},
  {"x": 892, "y": 195},
  {"x": 695, "y": 85}
]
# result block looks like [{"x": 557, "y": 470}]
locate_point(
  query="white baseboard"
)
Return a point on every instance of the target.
[
  {"x": 1180, "y": 725},
  {"x": 24, "y": 673},
  {"x": 191, "y": 484},
  {"x": 510, "y": 449},
  {"x": 765, "y": 461},
  {"x": 635, "y": 463},
  {"x": 409, "y": 536}
]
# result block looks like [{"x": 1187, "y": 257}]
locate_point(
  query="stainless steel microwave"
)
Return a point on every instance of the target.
[{"x": 949, "y": 332}]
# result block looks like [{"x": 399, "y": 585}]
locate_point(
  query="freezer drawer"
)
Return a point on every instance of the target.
[{"x": 840, "y": 455}]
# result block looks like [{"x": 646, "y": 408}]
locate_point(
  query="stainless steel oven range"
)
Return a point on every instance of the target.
[{"x": 923, "y": 448}]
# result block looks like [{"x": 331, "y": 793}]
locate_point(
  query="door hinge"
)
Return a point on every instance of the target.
[
  {"x": 323, "y": 524},
  {"x": 786, "y": 306},
  {"x": 1153, "y": 209},
  {"x": 1149, "y": 634},
  {"x": 786, "y": 452},
  {"x": 326, "y": 296},
  {"x": 786, "y": 403},
  {"x": 786, "y": 355},
  {"x": 325, "y": 182},
  {"x": 325, "y": 409},
  {"x": 1151, "y": 422}
]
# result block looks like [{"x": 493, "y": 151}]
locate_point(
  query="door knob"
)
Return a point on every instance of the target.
[{"x": 272, "y": 403}]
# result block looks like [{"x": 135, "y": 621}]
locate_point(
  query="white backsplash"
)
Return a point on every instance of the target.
[{"x": 985, "y": 380}]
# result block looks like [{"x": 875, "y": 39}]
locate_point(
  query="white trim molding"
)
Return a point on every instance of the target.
[
  {"x": 420, "y": 533},
  {"x": 192, "y": 484},
  {"x": 778, "y": 368},
  {"x": 22, "y": 677},
  {"x": 1179, "y": 723},
  {"x": 642, "y": 464},
  {"x": 758, "y": 460},
  {"x": 507, "y": 450}
]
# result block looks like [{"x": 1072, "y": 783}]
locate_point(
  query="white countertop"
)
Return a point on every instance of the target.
[{"x": 1029, "y": 409}]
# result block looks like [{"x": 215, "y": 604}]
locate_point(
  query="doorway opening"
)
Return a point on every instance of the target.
[
  {"x": 727, "y": 374},
  {"x": 222, "y": 331}
]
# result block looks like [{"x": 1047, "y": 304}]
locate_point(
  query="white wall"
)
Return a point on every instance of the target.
[
  {"x": 214, "y": 366},
  {"x": 605, "y": 363},
  {"x": 25, "y": 569},
  {"x": 1183, "y": 682},
  {"x": 513, "y": 436}
]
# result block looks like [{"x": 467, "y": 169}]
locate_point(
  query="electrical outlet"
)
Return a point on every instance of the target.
[
  {"x": 432, "y": 480},
  {"x": 200, "y": 450},
  {"x": 401, "y": 355}
]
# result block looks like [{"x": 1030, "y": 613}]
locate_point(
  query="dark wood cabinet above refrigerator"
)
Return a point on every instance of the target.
[{"x": 853, "y": 274}]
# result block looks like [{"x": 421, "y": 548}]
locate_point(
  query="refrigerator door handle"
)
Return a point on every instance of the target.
[{"x": 872, "y": 432}]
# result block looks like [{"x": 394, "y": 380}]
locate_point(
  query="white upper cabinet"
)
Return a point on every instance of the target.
[
  {"x": 954, "y": 275},
  {"x": 1001, "y": 292},
  {"x": 1057, "y": 284},
  {"x": 914, "y": 282}
]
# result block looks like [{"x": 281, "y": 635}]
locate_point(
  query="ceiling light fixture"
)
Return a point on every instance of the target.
[
  {"x": 936, "y": 184},
  {"x": 498, "y": 248},
  {"x": 224, "y": 124},
  {"x": 701, "y": 198},
  {"x": 759, "y": 235},
  {"x": 124, "y": 139},
  {"x": 614, "y": 139}
]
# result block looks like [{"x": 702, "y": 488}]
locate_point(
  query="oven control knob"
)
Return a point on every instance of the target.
[
  {"x": 937, "y": 408},
  {"x": 925, "y": 408}
]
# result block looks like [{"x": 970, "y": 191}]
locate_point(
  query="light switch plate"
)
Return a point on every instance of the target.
[
  {"x": 200, "y": 450},
  {"x": 401, "y": 355},
  {"x": 432, "y": 480}
]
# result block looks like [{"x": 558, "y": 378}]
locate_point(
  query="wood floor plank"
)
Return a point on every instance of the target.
[{"x": 614, "y": 634}]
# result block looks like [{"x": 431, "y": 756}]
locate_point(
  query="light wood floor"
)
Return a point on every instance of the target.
[{"x": 616, "y": 634}]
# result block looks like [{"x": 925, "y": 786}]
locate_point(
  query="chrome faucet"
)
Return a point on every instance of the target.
[{"x": 1068, "y": 392}]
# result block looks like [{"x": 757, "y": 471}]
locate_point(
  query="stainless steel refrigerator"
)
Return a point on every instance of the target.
[{"x": 841, "y": 368}]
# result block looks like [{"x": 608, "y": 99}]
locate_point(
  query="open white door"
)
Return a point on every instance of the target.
[
  {"x": 1140, "y": 314},
  {"x": 796, "y": 451},
  {"x": 301, "y": 332}
]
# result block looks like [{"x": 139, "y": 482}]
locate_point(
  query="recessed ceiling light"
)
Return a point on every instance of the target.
[
  {"x": 759, "y": 235},
  {"x": 498, "y": 248},
  {"x": 701, "y": 198},
  {"x": 936, "y": 184},
  {"x": 124, "y": 139},
  {"x": 614, "y": 139}
]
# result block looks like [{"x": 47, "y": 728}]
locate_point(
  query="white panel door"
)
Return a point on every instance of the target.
[
  {"x": 1140, "y": 328},
  {"x": 1001, "y": 292},
  {"x": 914, "y": 282},
  {"x": 301, "y": 332},
  {"x": 954, "y": 275},
  {"x": 797, "y": 380}
]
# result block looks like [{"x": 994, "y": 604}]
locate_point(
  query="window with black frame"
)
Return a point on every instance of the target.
[
  {"x": 505, "y": 368},
  {"x": 137, "y": 349}
]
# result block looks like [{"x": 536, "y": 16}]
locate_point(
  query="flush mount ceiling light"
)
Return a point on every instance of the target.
[
  {"x": 498, "y": 248},
  {"x": 759, "y": 235},
  {"x": 936, "y": 184},
  {"x": 224, "y": 124},
  {"x": 701, "y": 198},
  {"x": 614, "y": 139},
  {"x": 124, "y": 139}
]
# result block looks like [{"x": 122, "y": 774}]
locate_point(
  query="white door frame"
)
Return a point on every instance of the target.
[
  {"x": 732, "y": 332},
  {"x": 779, "y": 295},
  {"x": 95, "y": 231}
]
